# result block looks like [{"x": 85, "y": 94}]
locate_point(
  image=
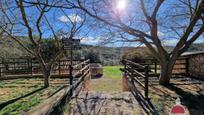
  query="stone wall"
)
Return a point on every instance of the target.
[{"x": 196, "y": 65}]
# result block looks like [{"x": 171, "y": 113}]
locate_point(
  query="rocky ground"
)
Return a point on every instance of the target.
[{"x": 103, "y": 103}]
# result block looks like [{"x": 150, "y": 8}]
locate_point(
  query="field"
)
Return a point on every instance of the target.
[
  {"x": 111, "y": 81},
  {"x": 20, "y": 95}
]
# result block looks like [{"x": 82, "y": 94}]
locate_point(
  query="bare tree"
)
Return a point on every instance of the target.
[
  {"x": 144, "y": 21},
  {"x": 151, "y": 20},
  {"x": 37, "y": 22}
]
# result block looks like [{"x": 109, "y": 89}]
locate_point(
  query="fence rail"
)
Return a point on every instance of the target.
[
  {"x": 180, "y": 67},
  {"x": 136, "y": 73},
  {"x": 56, "y": 104},
  {"x": 137, "y": 77},
  {"x": 30, "y": 66}
]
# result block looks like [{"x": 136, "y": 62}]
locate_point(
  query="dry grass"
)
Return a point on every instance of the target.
[
  {"x": 111, "y": 81},
  {"x": 19, "y": 95}
]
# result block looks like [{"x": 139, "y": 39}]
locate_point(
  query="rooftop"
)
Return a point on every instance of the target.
[{"x": 192, "y": 53}]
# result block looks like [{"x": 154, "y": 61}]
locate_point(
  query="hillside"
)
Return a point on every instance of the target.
[
  {"x": 9, "y": 48},
  {"x": 102, "y": 54}
]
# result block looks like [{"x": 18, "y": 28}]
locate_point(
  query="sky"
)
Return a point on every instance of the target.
[{"x": 61, "y": 21}]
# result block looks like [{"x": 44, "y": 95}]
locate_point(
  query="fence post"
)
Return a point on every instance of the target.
[
  {"x": 1, "y": 65},
  {"x": 82, "y": 66},
  {"x": 28, "y": 66},
  {"x": 187, "y": 66},
  {"x": 125, "y": 67},
  {"x": 124, "y": 79},
  {"x": 59, "y": 67},
  {"x": 155, "y": 69},
  {"x": 146, "y": 82},
  {"x": 31, "y": 66}
]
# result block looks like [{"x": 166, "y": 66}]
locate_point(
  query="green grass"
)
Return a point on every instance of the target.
[
  {"x": 112, "y": 72},
  {"x": 111, "y": 81},
  {"x": 11, "y": 89}
]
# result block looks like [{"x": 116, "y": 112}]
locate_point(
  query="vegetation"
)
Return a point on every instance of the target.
[
  {"x": 111, "y": 81},
  {"x": 20, "y": 95},
  {"x": 105, "y": 55},
  {"x": 112, "y": 72}
]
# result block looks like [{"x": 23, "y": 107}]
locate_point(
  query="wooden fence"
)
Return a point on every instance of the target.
[
  {"x": 137, "y": 77},
  {"x": 136, "y": 73},
  {"x": 180, "y": 67},
  {"x": 53, "y": 105},
  {"x": 30, "y": 66}
]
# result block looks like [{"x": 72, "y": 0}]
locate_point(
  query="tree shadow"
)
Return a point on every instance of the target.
[
  {"x": 92, "y": 108},
  {"x": 146, "y": 104},
  {"x": 4, "y": 104},
  {"x": 194, "y": 102}
]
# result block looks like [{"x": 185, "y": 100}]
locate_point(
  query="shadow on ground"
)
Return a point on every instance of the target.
[
  {"x": 189, "y": 90},
  {"x": 2, "y": 105},
  {"x": 103, "y": 103},
  {"x": 194, "y": 102}
]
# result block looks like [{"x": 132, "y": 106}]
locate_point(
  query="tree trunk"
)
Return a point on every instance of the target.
[
  {"x": 166, "y": 72},
  {"x": 46, "y": 74}
]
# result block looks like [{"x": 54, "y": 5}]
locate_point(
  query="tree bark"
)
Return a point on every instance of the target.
[
  {"x": 166, "y": 72},
  {"x": 46, "y": 75},
  {"x": 46, "y": 70}
]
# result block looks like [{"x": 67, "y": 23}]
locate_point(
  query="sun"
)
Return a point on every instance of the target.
[{"x": 121, "y": 5}]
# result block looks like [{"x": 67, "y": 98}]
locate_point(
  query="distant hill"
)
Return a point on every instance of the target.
[
  {"x": 9, "y": 48},
  {"x": 196, "y": 47},
  {"x": 105, "y": 55}
]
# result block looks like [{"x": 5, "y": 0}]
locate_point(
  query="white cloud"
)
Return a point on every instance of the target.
[
  {"x": 161, "y": 34},
  {"x": 170, "y": 42},
  {"x": 90, "y": 41},
  {"x": 72, "y": 18},
  {"x": 173, "y": 42}
]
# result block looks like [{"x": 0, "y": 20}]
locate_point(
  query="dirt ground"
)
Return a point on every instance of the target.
[
  {"x": 190, "y": 91},
  {"x": 104, "y": 103}
]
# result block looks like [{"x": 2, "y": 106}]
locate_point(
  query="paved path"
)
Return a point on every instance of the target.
[{"x": 103, "y": 103}]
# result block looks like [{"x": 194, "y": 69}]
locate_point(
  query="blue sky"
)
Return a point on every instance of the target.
[{"x": 60, "y": 22}]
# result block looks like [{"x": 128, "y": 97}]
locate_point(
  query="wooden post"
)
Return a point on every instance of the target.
[
  {"x": 187, "y": 66},
  {"x": 155, "y": 69},
  {"x": 87, "y": 80},
  {"x": 124, "y": 80},
  {"x": 146, "y": 81},
  {"x": 28, "y": 66},
  {"x": 59, "y": 67},
  {"x": 31, "y": 66},
  {"x": 1, "y": 65}
]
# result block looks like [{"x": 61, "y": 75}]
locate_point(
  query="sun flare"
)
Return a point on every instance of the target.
[{"x": 121, "y": 5}]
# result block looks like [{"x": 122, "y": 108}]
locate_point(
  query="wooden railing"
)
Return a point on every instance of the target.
[
  {"x": 136, "y": 73},
  {"x": 53, "y": 107},
  {"x": 137, "y": 77},
  {"x": 29, "y": 66},
  {"x": 180, "y": 67}
]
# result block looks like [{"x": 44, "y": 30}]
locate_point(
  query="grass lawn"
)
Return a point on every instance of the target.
[
  {"x": 111, "y": 81},
  {"x": 20, "y": 95}
]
